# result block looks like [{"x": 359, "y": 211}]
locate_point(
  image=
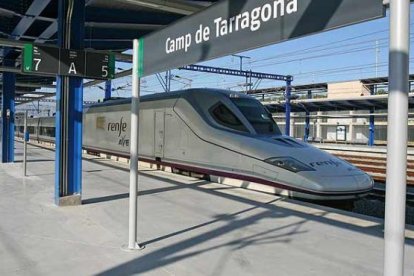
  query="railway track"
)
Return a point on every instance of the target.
[{"x": 375, "y": 165}]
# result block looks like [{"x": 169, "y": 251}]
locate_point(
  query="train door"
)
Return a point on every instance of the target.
[{"x": 159, "y": 134}]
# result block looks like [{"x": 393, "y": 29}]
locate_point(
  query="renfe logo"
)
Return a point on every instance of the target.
[
  {"x": 326, "y": 163},
  {"x": 119, "y": 127}
]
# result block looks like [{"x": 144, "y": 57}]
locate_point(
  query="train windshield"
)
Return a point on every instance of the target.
[{"x": 258, "y": 116}]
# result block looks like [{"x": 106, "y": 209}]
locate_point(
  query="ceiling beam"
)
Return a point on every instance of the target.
[
  {"x": 10, "y": 69},
  {"x": 6, "y": 42},
  {"x": 34, "y": 85},
  {"x": 173, "y": 6},
  {"x": 47, "y": 33},
  {"x": 35, "y": 9},
  {"x": 18, "y": 92},
  {"x": 26, "y": 22},
  {"x": 124, "y": 26}
]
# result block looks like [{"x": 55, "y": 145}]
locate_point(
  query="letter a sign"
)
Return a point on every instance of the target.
[
  {"x": 72, "y": 62},
  {"x": 72, "y": 69}
]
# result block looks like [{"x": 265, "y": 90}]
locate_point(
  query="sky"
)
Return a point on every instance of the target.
[{"x": 349, "y": 53}]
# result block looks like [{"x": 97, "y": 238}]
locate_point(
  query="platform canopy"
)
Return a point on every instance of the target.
[
  {"x": 375, "y": 102},
  {"x": 319, "y": 87},
  {"x": 109, "y": 25},
  {"x": 323, "y": 86}
]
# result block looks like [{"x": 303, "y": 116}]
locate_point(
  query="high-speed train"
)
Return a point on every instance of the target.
[{"x": 222, "y": 134}]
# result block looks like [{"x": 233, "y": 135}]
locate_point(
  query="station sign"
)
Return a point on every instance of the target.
[
  {"x": 232, "y": 26},
  {"x": 48, "y": 60}
]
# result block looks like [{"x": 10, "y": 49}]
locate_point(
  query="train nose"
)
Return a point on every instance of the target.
[
  {"x": 364, "y": 181},
  {"x": 348, "y": 183}
]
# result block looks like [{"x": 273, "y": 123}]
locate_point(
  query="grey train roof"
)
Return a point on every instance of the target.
[{"x": 172, "y": 95}]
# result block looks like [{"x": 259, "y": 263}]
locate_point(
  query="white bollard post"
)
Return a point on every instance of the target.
[
  {"x": 25, "y": 138},
  {"x": 396, "y": 181},
  {"x": 133, "y": 178}
]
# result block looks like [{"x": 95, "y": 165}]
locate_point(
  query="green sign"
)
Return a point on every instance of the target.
[
  {"x": 28, "y": 58},
  {"x": 141, "y": 58}
]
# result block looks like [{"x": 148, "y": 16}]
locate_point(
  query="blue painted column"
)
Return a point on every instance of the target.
[
  {"x": 69, "y": 108},
  {"x": 371, "y": 138},
  {"x": 307, "y": 120},
  {"x": 287, "y": 105},
  {"x": 7, "y": 117},
  {"x": 108, "y": 89},
  {"x": 168, "y": 81}
]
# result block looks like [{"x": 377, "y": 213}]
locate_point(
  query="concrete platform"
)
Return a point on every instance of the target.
[{"x": 189, "y": 227}]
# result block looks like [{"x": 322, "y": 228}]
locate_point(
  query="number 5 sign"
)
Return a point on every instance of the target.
[{"x": 100, "y": 66}]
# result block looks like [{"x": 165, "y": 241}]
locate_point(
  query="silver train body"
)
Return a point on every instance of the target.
[{"x": 226, "y": 135}]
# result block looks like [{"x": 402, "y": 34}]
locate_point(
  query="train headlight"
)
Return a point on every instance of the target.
[{"x": 289, "y": 163}]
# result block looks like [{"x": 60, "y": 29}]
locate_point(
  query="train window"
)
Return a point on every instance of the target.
[
  {"x": 47, "y": 131},
  {"x": 31, "y": 129},
  {"x": 225, "y": 117},
  {"x": 17, "y": 128},
  {"x": 258, "y": 116}
]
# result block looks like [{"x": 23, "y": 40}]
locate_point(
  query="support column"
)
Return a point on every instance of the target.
[
  {"x": 371, "y": 139},
  {"x": 351, "y": 127},
  {"x": 168, "y": 81},
  {"x": 292, "y": 125},
  {"x": 396, "y": 180},
  {"x": 69, "y": 107},
  {"x": 307, "y": 120},
  {"x": 319, "y": 125},
  {"x": 288, "y": 106},
  {"x": 8, "y": 109},
  {"x": 108, "y": 89}
]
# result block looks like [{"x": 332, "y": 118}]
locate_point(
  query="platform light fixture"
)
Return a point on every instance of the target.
[
  {"x": 170, "y": 6},
  {"x": 144, "y": 3}
]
